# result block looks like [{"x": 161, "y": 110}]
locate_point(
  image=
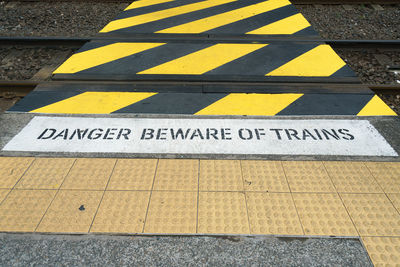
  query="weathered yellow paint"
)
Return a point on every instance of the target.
[
  {"x": 250, "y": 104},
  {"x": 321, "y": 61},
  {"x": 376, "y": 107},
  {"x": 219, "y": 20},
  {"x": 287, "y": 25},
  {"x": 143, "y": 3},
  {"x": 94, "y": 57},
  {"x": 204, "y": 60},
  {"x": 94, "y": 103},
  {"x": 162, "y": 14}
]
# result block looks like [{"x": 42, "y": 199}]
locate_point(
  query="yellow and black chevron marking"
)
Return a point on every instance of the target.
[
  {"x": 204, "y": 61},
  {"x": 271, "y": 17},
  {"x": 203, "y": 103}
]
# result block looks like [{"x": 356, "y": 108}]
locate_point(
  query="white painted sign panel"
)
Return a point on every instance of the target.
[{"x": 201, "y": 136}]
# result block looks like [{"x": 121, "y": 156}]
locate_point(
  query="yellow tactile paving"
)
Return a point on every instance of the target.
[
  {"x": 89, "y": 174},
  {"x": 11, "y": 170},
  {"x": 133, "y": 174},
  {"x": 71, "y": 211},
  {"x": 172, "y": 212},
  {"x": 323, "y": 214},
  {"x": 220, "y": 175},
  {"x": 223, "y": 212},
  {"x": 352, "y": 177},
  {"x": 122, "y": 212},
  {"x": 383, "y": 251},
  {"x": 22, "y": 210},
  {"x": 175, "y": 174},
  {"x": 3, "y": 194},
  {"x": 372, "y": 214},
  {"x": 46, "y": 173},
  {"x": 395, "y": 199},
  {"x": 307, "y": 176},
  {"x": 259, "y": 175},
  {"x": 273, "y": 213},
  {"x": 387, "y": 174}
]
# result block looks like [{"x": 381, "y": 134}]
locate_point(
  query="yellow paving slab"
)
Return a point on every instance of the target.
[
  {"x": 11, "y": 170},
  {"x": 175, "y": 174},
  {"x": 222, "y": 213},
  {"x": 268, "y": 176},
  {"x": 387, "y": 174},
  {"x": 122, "y": 212},
  {"x": 89, "y": 174},
  {"x": 372, "y": 214},
  {"x": 383, "y": 251},
  {"x": 172, "y": 212},
  {"x": 352, "y": 177},
  {"x": 22, "y": 210},
  {"x": 307, "y": 176},
  {"x": 395, "y": 199},
  {"x": 133, "y": 174},
  {"x": 323, "y": 214},
  {"x": 46, "y": 173},
  {"x": 3, "y": 194},
  {"x": 71, "y": 211},
  {"x": 220, "y": 175},
  {"x": 273, "y": 213}
]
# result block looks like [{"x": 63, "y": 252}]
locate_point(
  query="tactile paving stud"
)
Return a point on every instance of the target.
[
  {"x": 352, "y": 177},
  {"x": 3, "y": 194},
  {"x": 260, "y": 175},
  {"x": 172, "y": 212},
  {"x": 133, "y": 174},
  {"x": 383, "y": 251},
  {"x": 220, "y": 175},
  {"x": 22, "y": 210},
  {"x": 177, "y": 174},
  {"x": 387, "y": 174},
  {"x": 222, "y": 213},
  {"x": 121, "y": 212},
  {"x": 71, "y": 211},
  {"x": 89, "y": 174},
  {"x": 11, "y": 170},
  {"x": 307, "y": 176},
  {"x": 273, "y": 214},
  {"x": 323, "y": 214},
  {"x": 46, "y": 173},
  {"x": 372, "y": 214}
]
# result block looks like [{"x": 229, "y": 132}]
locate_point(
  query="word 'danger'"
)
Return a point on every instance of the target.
[{"x": 201, "y": 136}]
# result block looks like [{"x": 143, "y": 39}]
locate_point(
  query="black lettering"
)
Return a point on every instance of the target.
[
  {"x": 161, "y": 134},
  {"x": 306, "y": 134},
  {"x": 318, "y": 134},
  {"x": 277, "y": 133},
  {"x": 259, "y": 132},
  {"x": 109, "y": 133},
  {"x": 225, "y": 134},
  {"x": 80, "y": 133},
  {"x": 147, "y": 134},
  {"x": 213, "y": 134},
  {"x": 292, "y": 132},
  {"x": 249, "y": 134},
  {"x": 346, "y": 134},
  {"x": 42, "y": 135},
  {"x": 96, "y": 135},
  {"x": 127, "y": 132},
  {"x": 179, "y": 132},
  {"x": 63, "y": 134},
  {"x": 333, "y": 134},
  {"x": 197, "y": 133}
]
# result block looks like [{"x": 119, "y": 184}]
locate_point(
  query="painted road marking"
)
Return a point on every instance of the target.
[
  {"x": 201, "y": 136},
  {"x": 287, "y": 25}
]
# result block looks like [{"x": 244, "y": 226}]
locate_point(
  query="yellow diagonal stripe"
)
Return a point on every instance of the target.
[
  {"x": 94, "y": 103},
  {"x": 376, "y": 107},
  {"x": 204, "y": 60},
  {"x": 94, "y": 57},
  {"x": 162, "y": 14},
  {"x": 219, "y": 20},
  {"x": 143, "y": 3},
  {"x": 287, "y": 25},
  {"x": 250, "y": 104},
  {"x": 321, "y": 61}
]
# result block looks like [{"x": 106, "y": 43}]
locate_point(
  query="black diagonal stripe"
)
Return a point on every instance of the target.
[
  {"x": 166, "y": 23},
  {"x": 344, "y": 71},
  {"x": 262, "y": 61},
  {"x": 307, "y": 31},
  {"x": 39, "y": 99},
  {"x": 327, "y": 104},
  {"x": 93, "y": 45},
  {"x": 173, "y": 103},
  {"x": 146, "y": 59}
]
